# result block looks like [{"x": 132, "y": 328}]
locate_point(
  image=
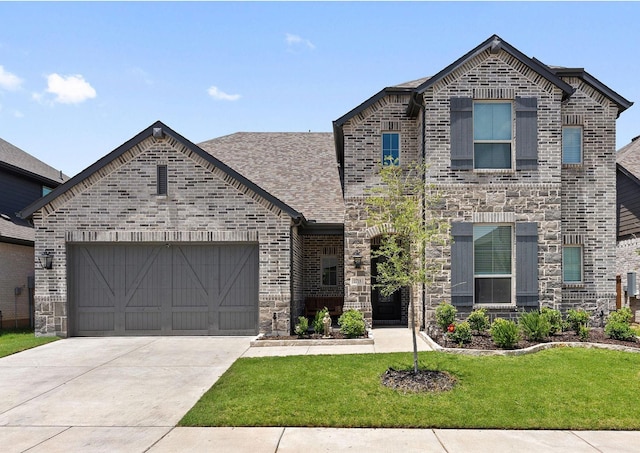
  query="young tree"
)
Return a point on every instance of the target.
[{"x": 403, "y": 206}]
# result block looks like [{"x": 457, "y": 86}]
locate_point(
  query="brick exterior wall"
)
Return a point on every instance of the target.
[
  {"x": 628, "y": 259},
  {"x": 363, "y": 155},
  {"x": 16, "y": 267},
  {"x": 315, "y": 247},
  {"x": 572, "y": 203},
  {"x": 119, "y": 203},
  {"x": 589, "y": 199}
]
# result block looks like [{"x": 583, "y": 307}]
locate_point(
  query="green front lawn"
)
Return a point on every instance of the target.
[
  {"x": 556, "y": 389},
  {"x": 16, "y": 341}
]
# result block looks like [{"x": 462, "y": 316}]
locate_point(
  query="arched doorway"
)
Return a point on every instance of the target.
[{"x": 386, "y": 310}]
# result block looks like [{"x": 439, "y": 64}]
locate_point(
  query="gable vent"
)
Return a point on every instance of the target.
[
  {"x": 390, "y": 125},
  {"x": 162, "y": 180}
]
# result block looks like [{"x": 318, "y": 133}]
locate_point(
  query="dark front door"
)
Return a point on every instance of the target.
[{"x": 386, "y": 309}]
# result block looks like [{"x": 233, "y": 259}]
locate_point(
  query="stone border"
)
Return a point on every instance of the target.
[
  {"x": 311, "y": 342},
  {"x": 530, "y": 350}
]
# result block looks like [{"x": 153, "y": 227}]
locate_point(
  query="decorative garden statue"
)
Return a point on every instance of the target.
[{"x": 326, "y": 322}]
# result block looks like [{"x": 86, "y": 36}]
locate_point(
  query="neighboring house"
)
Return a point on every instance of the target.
[
  {"x": 238, "y": 234},
  {"x": 628, "y": 209},
  {"x": 23, "y": 179}
]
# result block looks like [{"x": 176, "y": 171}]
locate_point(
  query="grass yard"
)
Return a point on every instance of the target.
[
  {"x": 16, "y": 341},
  {"x": 565, "y": 388}
]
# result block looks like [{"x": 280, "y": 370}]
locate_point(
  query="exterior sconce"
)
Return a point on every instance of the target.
[
  {"x": 357, "y": 259},
  {"x": 46, "y": 259}
]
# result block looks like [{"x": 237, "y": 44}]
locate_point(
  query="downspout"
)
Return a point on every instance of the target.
[{"x": 296, "y": 223}]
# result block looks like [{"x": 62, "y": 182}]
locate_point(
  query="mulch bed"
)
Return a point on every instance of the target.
[
  {"x": 337, "y": 335},
  {"x": 406, "y": 381},
  {"x": 484, "y": 341}
]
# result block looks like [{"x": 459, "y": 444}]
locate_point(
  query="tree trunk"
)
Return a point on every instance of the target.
[{"x": 412, "y": 321}]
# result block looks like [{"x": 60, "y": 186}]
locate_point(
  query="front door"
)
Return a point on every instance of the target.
[{"x": 386, "y": 309}]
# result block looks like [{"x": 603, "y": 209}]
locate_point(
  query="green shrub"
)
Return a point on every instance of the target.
[
  {"x": 583, "y": 333},
  {"x": 461, "y": 333},
  {"x": 478, "y": 320},
  {"x": 302, "y": 326},
  {"x": 504, "y": 333},
  {"x": 623, "y": 315},
  {"x": 445, "y": 315},
  {"x": 619, "y": 331},
  {"x": 577, "y": 319},
  {"x": 555, "y": 319},
  {"x": 351, "y": 323},
  {"x": 534, "y": 326},
  {"x": 318, "y": 327}
]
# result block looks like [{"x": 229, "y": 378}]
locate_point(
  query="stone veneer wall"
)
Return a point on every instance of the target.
[
  {"x": 16, "y": 266},
  {"x": 119, "y": 204}
]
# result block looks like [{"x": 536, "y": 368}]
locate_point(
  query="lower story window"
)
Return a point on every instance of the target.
[
  {"x": 572, "y": 264},
  {"x": 492, "y": 264},
  {"x": 329, "y": 270}
]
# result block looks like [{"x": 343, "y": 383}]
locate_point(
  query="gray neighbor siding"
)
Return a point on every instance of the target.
[{"x": 119, "y": 204}]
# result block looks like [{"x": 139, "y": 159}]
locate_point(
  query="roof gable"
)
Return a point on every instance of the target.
[
  {"x": 158, "y": 129},
  {"x": 494, "y": 44}
]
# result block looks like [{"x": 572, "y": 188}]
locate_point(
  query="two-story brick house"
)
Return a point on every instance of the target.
[
  {"x": 523, "y": 155},
  {"x": 162, "y": 236}
]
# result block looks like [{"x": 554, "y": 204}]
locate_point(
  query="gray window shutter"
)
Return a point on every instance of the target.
[
  {"x": 527, "y": 265},
  {"x": 461, "y": 115},
  {"x": 526, "y": 133},
  {"x": 462, "y": 264}
]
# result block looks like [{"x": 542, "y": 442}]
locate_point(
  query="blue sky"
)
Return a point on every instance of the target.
[{"x": 79, "y": 79}]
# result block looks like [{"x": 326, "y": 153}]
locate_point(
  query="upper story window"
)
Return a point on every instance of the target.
[
  {"x": 329, "y": 266},
  {"x": 492, "y": 135},
  {"x": 390, "y": 148},
  {"x": 46, "y": 190},
  {"x": 572, "y": 144},
  {"x": 161, "y": 181},
  {"x": 483, "y": 137}
]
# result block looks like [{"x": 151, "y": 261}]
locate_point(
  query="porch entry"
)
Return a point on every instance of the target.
[{"x": 387, "y": 310}]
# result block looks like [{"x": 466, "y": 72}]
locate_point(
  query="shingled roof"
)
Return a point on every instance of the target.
[
  {"x": 298, "y": 168},
  {"x": 13, "y": 157},
  {"x": 629, "y": 157}
]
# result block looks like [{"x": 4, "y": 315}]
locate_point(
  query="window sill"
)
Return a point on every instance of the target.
[
  {"x": 573, "y": 166},
  {"x": 510, "y": 306},
  {"x": 494, "y": 170},
  {"x": 572, "y": 285}
]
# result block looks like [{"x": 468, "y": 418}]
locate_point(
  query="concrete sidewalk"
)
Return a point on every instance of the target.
[
  {"x": 127, "y": 394},
  {"x": 293, "y": 440}
]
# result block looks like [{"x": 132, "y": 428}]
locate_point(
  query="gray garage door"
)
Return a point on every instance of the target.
[{"x": 163, "y": 289}]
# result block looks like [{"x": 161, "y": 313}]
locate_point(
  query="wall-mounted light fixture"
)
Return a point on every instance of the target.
[
  {"x": 357, "y": 259},
  {"x": 46, "y": 259}
]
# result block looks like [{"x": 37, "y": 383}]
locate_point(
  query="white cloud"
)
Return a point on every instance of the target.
[
  {"x": 71, "y": 89},
  {"x": 18, "y": 114},
  {"x": 215, "y": 93},
  {"x": 295, "y": 41},
  {"x": 9, "y": 81}
]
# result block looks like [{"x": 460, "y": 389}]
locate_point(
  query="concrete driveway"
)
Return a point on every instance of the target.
[{"x": 122, "y": 393}]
